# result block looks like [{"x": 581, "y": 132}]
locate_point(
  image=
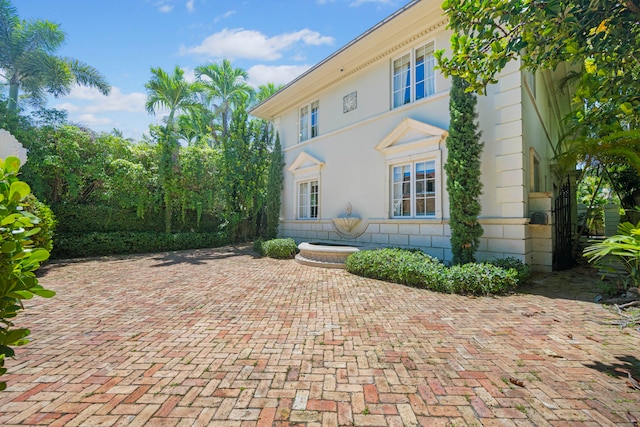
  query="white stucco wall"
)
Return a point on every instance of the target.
[{"x": 352, "y": 171}]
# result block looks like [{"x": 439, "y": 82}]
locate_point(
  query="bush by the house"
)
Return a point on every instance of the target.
[
  {"x": 481, "y": 279},
  {"x": 76, "y": 245},
  {"x": 394, "y": 265},
  {"x": 420, "y": 270},
  {"x": 279, "y": 248},
  {"x": 524, "y": 271}
]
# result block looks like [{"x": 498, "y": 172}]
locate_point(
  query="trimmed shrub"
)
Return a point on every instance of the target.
[
  {"x": 77, "y": 218},
  {"x": 257, "y": 246},
  {"x": 46, "y": 221},
  {"x": 523, "y": 270},
  {"x": 280, "y": 248},
  {"x": 481, "y": 279},
  {"x": 395, "y": 265},
  {"x": 415, "y": 268},
  {"x": 78, "y": 245}
]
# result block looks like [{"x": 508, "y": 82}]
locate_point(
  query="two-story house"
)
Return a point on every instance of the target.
[{"x": 364, "y": 133}]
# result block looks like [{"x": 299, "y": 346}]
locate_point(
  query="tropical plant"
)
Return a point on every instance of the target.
[
  {"x": 173, "y": 93},
  {"x": 19, "y": 257},
  {"x": 67, "y": 163},
  {"x": 463, "y": 173},
  {"x": 223, "y": 88},
  {"x": 622, "y": 249},
  {"x": 27, "y": 60},
  {"x": 598, "y": 39}
]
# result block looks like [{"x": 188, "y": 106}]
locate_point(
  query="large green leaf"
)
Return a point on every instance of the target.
[
  {"x": 11, "y": 164},
  {"x": 19, "y": 190}
]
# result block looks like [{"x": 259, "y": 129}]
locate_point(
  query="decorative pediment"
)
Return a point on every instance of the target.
[
  {"x": 411, "y": 134},
  {"x": 305, "y": 163}
]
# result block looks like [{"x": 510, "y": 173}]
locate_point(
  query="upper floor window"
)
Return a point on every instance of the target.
[
  {"x": 413, "y": 76},
  {"x": 309, "y": 121}
]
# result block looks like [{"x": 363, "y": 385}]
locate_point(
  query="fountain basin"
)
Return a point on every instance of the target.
[{"x": 327, "y": 255}]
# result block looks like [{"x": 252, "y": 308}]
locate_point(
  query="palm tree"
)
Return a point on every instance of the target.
[
  {"x": 223, "y": 87},
  {"x": 169, "y": 92},
  {"x": 264, "y": 92},
  {"x": 27, "y": 61},
  {"x": 194, "y": 126}
]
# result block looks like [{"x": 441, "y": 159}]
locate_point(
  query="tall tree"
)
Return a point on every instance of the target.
[
  {"x": 463, "y": 173},
  {"x": 27, "y": 60},
  {"x": 223, "y": 87},
  {"x": 173, "y": 93},
  {"x": 598, "y": 38},
  {"x": 275, "y": 184}
]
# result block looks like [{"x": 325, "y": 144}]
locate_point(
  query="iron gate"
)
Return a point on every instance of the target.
[{"x": 563, "y": 250}]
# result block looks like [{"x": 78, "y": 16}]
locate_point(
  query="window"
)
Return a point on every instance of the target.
[
  {"x": 308, "y": 200},
  {"x": 309, "y": 121},
  {"x": 414, "y": 189},
  {"x": 534, "y": 172},
  {"x": 408, "y": 86}
]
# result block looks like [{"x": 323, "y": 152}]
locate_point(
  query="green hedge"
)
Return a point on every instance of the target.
[
  {"x": 77, "y": 245},
  {"x": 276, "y": 248},
  {"x": 418, "y": 269},
  {"x": 74, "y": 218}
]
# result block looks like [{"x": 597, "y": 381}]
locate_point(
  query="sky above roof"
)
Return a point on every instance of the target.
[{"x": 274, "y": 41}]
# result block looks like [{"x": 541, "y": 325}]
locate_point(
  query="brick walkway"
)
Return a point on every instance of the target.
[{"x": 218, "y": 337}]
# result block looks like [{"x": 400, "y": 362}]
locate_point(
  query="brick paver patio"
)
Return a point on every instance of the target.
[{"x": 219, "y": 337}]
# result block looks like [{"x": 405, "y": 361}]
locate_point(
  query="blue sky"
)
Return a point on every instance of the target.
[{"x": 274, "y": 41}]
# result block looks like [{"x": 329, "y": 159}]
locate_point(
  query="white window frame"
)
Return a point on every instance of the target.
[
  {"x": 413, "y": 198},
  {"x": 305, "y": 200},
  {"x": 305, "y": 168},
  {"x": 412, "y": 161},
  {"x": 308, "y": 115},
  {"x": 403, "y": 79}
]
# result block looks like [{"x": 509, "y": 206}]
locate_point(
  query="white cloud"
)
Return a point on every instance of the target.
[
  {"x": 278, "y": 74},
  {"x": 92, "y": 120},
  {"x": 165, "y": 8},
  {"x": 224, "y": 16},
  {"x": 191, "y": 5},
  {"x": 251, "y": 44},
  {"x": 95, "y": 102},
  {"x": 67, "y": 106}
]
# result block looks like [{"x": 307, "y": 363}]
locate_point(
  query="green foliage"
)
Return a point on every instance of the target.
[
  {"x": 275, "y": 184},
  {"x": 257, "y": 246},
  {"x": 464, "y": 184},
  {"x": 392, "y": 264},
  {"x": 20, "y": 257},
  {"x": 622, "y": 249},
  {"x": 225, "y": 89},
  {"x": 27, "y": 60},
  {"x": 79, "y": 245},
  {"x": 522, "y": 269},
  {"x": 600, "y": 39},
  {"x": 481, "y": 279},
  {"x": 74, "y": 218},
  {"x": 47, "y": 224},
  {"x": 243, "y": 176},
  {"x": 280, "y": 248},
  {"x": 70, "y": 164},
  {"x": 417, "y": 269}
]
